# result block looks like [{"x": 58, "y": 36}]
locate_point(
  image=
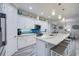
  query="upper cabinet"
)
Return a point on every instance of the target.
[{"x": 29, "y": 23}]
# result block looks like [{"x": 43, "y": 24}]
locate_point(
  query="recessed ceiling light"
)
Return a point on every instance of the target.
[
  {"x": 53, "y": 12},
  {"x": 30, "y": 7},
  {"x": 42, "y": 13},
  {"x": 59, "y": 16}
]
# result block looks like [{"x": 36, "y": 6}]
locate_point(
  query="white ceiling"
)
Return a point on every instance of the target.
[{"x": 70, "y": 9}]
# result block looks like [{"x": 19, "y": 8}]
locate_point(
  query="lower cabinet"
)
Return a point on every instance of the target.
[
  {"x": 42, "y": 48},
  {"x": 24, "y": 41}
]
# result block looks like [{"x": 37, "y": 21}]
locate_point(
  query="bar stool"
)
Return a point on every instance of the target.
[
  {"x": 60, "y": 49},
  {"x": 65, "y": 42}
]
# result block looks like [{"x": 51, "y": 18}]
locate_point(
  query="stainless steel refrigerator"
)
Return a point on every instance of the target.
[{"x": 2, "y": 33}]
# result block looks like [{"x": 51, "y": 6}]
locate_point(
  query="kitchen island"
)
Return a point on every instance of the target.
[{"x": 45, "y": 42}]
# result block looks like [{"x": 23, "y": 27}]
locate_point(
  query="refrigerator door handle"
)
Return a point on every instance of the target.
[{"x": 3, "y": 29}]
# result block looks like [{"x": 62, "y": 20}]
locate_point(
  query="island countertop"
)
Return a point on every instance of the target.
[{"x": 55, "y": 39}]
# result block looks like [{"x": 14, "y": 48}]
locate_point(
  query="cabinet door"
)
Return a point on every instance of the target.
[
  {"x": 11, "y": 18},
  {"x": 30, "y": 40},
  {"x": 25, "y": 41},
  {"x": 41, "y": 48}
]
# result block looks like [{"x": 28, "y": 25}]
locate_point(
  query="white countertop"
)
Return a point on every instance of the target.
[
  {"x": 55, "y": 40},
  {"x": 32, "y": 34}
]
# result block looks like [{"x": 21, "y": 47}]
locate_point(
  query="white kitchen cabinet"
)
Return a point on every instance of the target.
[
  {"x": 26, "y": 40},
  {"x": 27, "y": 24},
  {"x": 42, "y": 48}
]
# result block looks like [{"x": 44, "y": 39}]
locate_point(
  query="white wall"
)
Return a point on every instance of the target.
[{"x": 11, "y": 18}]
